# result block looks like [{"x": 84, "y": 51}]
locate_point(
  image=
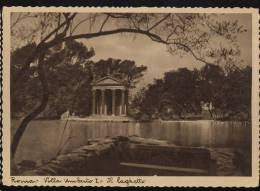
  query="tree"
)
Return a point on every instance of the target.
[
  {"x": 21, "y": 94},
  {"x": 234, "y": 97},
  {"x": 211, "y": 82},
  {"x": 228, "y": 90},
  {"x": 175, "y": 94},
  {"x": 183, "y": 92},
  {"x": 182, "y": 85},
  {"x": 125, "y": 70},
  {"x": 150, "y": 101},
  {"x": 179, "y": 32},
  {"x": 71, "y": 73},
  {"x": 67, "y": 70}
]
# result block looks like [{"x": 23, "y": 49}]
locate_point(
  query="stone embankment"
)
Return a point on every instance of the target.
[{"x": 130, "y": 156}]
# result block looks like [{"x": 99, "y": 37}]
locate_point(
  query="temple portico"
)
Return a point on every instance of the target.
[{"x": 109, "y": 97}]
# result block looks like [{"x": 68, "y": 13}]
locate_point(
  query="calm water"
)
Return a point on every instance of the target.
[{"x": 43, "y": 139}]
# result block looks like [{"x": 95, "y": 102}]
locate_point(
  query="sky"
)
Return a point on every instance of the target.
[
  {"x": 143, "y": 51},
  {"x": 154, "y": 55}
]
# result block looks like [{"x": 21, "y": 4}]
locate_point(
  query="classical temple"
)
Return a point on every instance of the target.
[{"x": 109, "y": 97}]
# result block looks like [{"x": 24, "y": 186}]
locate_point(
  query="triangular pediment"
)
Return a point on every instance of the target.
[{"x": 107, "y": 81}]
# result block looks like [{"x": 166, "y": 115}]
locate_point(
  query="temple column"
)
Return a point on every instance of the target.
[
  {"x": 126, "y": 102},
  {"x": 122, "y": 106},
  {"x": 102, "y": 101},
  {"x": 93, "y": 102},
  {"x": 113, "y": 101},
  {"x": 105, "y": 104}
]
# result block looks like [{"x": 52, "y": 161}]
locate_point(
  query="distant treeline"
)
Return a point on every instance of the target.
[
  {"x": 211, "y": 92},
  {"x": 69, "y": 74}
]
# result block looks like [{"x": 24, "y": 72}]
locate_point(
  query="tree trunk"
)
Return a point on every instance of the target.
[
  {"x": 211, "y": 114},
  {"x": 20, "y": 131}
]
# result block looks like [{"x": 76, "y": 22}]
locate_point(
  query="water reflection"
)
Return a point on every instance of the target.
[
  {"x": 44, "y": 138},
  {"x": 190, "y": 133}
]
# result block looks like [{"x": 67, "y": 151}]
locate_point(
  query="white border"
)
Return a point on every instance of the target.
[{"x": 153, "y": 180}]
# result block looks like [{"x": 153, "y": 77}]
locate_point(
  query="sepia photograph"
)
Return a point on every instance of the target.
[{"x": 131, "y": 93}]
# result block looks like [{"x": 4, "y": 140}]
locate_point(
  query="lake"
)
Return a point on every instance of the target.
[{"x": 44, "y": 138}]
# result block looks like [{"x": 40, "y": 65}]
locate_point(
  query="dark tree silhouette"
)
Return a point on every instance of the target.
[{"x": 185, "y": 91}]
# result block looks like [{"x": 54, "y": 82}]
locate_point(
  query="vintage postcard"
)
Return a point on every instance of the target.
[{"x": 130, "y": 96}]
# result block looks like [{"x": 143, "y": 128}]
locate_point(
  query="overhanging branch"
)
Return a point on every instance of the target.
[
  {"x": 152, "y": 36},
  {"x": 56, "y": 41},
  {"x": 159, "y": 22},
  {"x": 45, "y": 95},
  {"x": 104, "y": 22},
  {"x": 66, "y": 22}
]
